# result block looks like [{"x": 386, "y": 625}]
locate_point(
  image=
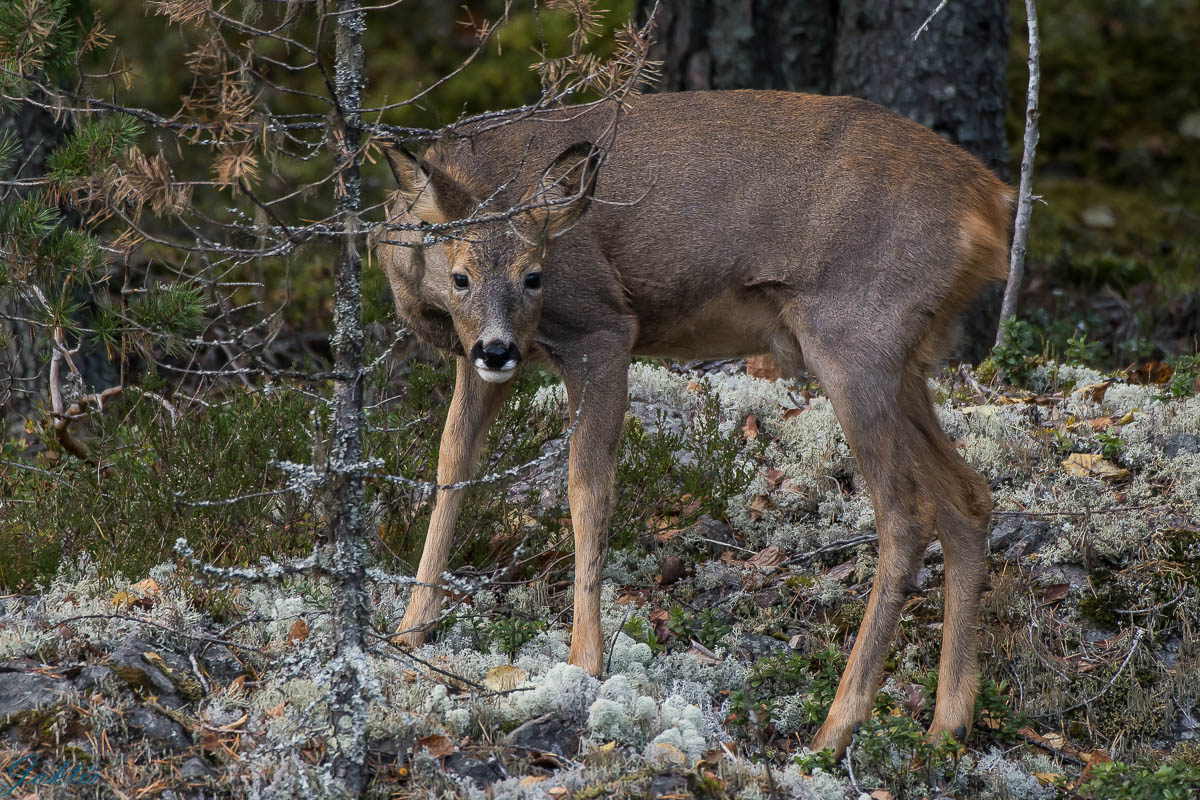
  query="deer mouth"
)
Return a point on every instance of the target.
[{"x": 496, "y": 375}]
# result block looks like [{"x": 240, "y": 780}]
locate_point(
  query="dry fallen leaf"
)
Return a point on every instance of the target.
[
  {"x": 667, "y": 752},
  {"x": 505, "y": 677},
  {"x": 1056, "y": 592},
  {"x": 1048, "y": 778},
  {"x": 774, "y": 476},
  {"x": 750, "y": 429},
  {"x": 768, "y": 557},
  {"x": 439, "y": 746},
  {"x": 1095, "y": 757},
  {"x": 532, "y": 780},
  {"x": 1101, "y": 423},
  {"x": 147, "y": 588},
  {"x": 841, "y": 571},
  {"x": 1125, "y": 420},
  {"x": 763, "y": 367},
  {"x": 558, "y": 792},
  {"x": 276, "y": 711},
  {"x": 793, "y": 412},
  {"x": 299, "y": 630},
  {"x": 881, "y": 794},
  {"x": 1094, "y": 391},
  {"x": 1091, "y": 465},
  {"x": 760, "y": 503}
]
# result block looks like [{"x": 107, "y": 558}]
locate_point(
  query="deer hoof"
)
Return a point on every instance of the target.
[{"x": 835, "y": 738}]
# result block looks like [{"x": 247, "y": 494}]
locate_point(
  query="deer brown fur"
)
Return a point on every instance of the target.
[{"x": 827, "y": 231}]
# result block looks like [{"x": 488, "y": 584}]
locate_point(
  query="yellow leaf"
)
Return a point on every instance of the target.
[
  {"x": 1048, "y": 778},
  {"x": 668, "y": 752},
  {"x": 122, "y": 599},
  {"x": 1125, "y": 420},
  {"x": 530, "y": 780},
  {"x": 1090, "y": 465},
  {"x": 607, "y": 747},
  {"x": 1094, "y": 391},
  {"x": 505, "y": 677}
]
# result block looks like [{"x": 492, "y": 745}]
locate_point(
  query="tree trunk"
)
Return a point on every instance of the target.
[
  {"x": 351, "y": 676},
  {"x": 24, "y": 354},
  {"x": 951, "y": 79}
]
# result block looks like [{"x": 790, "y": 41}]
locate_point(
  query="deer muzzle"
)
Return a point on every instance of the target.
[{"x": 495, "y": 361}]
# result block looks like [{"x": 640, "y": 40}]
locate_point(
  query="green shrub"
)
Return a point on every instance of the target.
[{"x": 1118, "y": 781}]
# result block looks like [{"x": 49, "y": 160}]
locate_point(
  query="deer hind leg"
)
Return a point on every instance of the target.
[
  {"x": 871, "y": 395},
  {"x": 963, "y": 519},
  {"x": 472, "y": 409}
]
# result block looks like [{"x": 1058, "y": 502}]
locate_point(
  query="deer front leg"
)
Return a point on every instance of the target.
[
  {"x": 473, "y": 407},
  {"x": 590, "y": 491}
]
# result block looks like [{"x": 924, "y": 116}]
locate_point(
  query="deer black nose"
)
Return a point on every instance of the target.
[{"x": 496, "y": 354}]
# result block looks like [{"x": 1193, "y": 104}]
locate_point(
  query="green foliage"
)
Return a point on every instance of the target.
[
  {"x": 1081, "y": 351},
  {"x": 95, "y": 144},
  {"x": 1015, "y": 356},
  {"x": 894, "y": 744},
  {"x": 1112, "y": 446},
  {"x": 1119, "y": 781},
  {"x": 813, "y": 676},
  {"x": 639, "y": 630},
  {"x": 39, "y": 38},
  {"x": 652, "y": 478},
  {"x": 707, "y": 627},
  {"x": 506, "y": 632},
  {"x": 1185, "y": 376},
  {"x": 128, "y": 515}
]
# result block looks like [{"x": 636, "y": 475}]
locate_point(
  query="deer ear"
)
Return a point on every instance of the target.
[
  {"x": 425, "y": 190},
  {"x": 571, "y": 175}
]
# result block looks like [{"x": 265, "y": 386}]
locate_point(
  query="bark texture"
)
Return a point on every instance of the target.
[
  {"x": 951, "y": 79},
  {"x": 24, "y": 352}
]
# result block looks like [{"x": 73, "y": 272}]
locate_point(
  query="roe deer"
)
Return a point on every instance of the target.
[{"x": 827, "y": 231}]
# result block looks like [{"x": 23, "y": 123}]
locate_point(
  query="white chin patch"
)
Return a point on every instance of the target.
[{"x": 495, "y": 375}]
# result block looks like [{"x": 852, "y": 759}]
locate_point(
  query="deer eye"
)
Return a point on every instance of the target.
[
  {"x": 461, "y": 281},
  {"x": 533, "y": 281}
]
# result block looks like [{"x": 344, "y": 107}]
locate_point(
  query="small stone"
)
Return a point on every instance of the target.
[
  {"x": 672, "y": 570},
  {"x": 159, "y": 728},
  {"x": 668, "y": 786},
  {"x": 1100, "y": 216},
  {"x": 549, "y": 733},
  {"x": 1189, "y": 126},
  {"x": 26, "y": 691},
  {"x": 1181, "y": 444},
  {"x": 195, "y": 769},
  {"x": 476, "y": 769},
  {"x": 93, "y": 676}
]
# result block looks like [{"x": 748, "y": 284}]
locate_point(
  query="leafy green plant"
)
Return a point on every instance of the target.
[
  {"x": 1119, "y": 781},
  {"x": 639, "y": 630},
  {"x": 1081, "y": 351},
  {"x": 707, "y": 627},
  {"x": 1111, "y": 444},
  {"x": 1185, "y": 373},
  {"x": 1014, "y": 356}
]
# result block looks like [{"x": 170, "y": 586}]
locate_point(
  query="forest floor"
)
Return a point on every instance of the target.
[{"x": 727, "y": 630}]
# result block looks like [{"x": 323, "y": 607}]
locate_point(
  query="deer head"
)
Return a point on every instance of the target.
[{"x": 494, "y": 278}]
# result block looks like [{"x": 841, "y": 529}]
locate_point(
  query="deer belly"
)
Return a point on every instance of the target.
[{"x": 728, "y": 326}]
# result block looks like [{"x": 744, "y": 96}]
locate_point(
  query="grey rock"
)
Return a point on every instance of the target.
[
  {"x": 159, "y": 728},
  {"x": 1015, "y": 536},
  {"x": 668, "y": 786},
  {"x": 1175, "y": 445},
  {"x": 474, "y": 768},
  {"x": 753, "y": 646},
  {"x": 220, "y": 662},
  {"x": 195, "y": 769},
  {"x": 130, "y": 664},
  {"x": 25, "y": 691},
  {"x": 91, "y": 677},
  {"x": 716, "y": 533},
  {"x": 549, "y": 733}
]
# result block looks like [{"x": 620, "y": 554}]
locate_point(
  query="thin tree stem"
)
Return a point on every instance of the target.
[{"x": 1016, "y": 270}]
